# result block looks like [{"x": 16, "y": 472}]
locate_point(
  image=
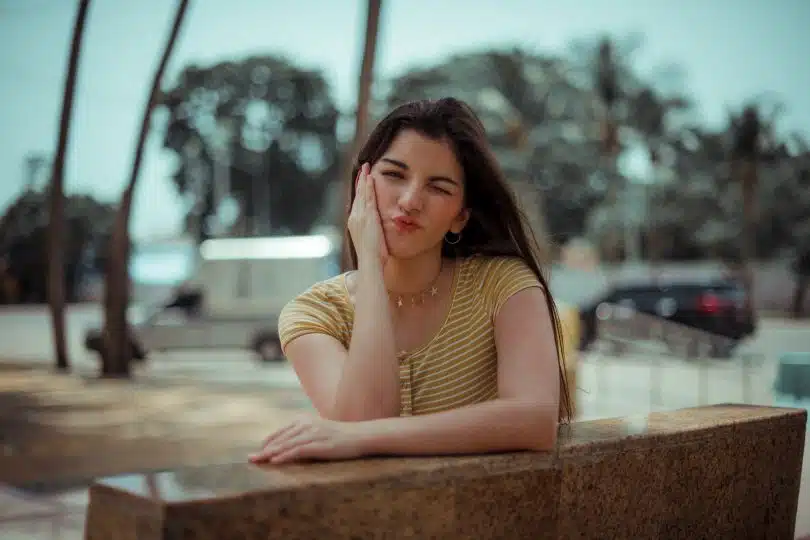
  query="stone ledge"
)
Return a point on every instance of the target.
[{"x": 729, "y": 471}]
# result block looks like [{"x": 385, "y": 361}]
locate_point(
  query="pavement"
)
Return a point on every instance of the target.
[
  {"x": 59, "y": 432},
  {"x": 202, "y": 407}
]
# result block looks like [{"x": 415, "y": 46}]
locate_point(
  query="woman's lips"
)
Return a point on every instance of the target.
[{"x": 405, "y": 225}]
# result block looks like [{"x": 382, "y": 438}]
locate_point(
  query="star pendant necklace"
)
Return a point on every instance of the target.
[{"x": 417, "y": 299}]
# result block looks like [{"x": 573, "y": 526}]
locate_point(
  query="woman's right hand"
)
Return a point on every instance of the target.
[{"x": 364, "y": 223}]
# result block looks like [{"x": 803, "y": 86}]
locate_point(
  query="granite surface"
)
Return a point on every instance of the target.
[
  {"x": 732, "y": 481},
  {"x": 725, "y": 471}
]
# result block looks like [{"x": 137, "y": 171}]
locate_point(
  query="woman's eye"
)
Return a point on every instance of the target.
[
  {"x": 392, "y": 174},
  {"x": 440, "y": 190}
]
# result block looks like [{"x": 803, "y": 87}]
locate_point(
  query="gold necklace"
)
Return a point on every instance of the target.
[{"x": 417, "y": 299}]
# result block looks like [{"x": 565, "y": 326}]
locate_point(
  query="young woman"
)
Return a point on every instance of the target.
[{"x": 444, "y": 339}]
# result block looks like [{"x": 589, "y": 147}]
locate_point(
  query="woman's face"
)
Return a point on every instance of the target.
[{"x": 420, "y": 193}]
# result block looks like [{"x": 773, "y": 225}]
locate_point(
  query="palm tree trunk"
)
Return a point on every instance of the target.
[
  {"x": 367, "y": 71},
  {"x": 117, "y": 350},
  {"x": 747, "y": 170},
  {"x": 56, "y": 224},
  {"x": 363, "y": 99}
]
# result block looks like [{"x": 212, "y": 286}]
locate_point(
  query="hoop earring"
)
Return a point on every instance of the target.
[{"x": 453, "y": 242}]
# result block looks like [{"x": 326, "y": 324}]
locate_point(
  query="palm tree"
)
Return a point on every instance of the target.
[
  {"x": 367, "y": 71},
  {"x": 116, "y": 351},
  {"x": 627, "y": 101},
  {"x": 363, "y": 101},
  {"x": 649, "y": 113},
  {"x": 607, "y": 64},
  {"x": 609, "y": 91},
  {"x": 801, "y": 227},
  {"x": 56, "y": 225},
  {"x": 752, "y": 144}
]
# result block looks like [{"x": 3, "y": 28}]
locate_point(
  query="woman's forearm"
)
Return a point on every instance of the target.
[
  {"x": 369, "y": 384},
  {"x": 493, "y": 426}
]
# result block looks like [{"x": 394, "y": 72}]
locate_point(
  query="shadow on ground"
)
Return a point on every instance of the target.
[{"x": 62, "y": 431}]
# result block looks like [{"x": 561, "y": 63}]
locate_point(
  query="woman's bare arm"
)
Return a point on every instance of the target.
[
  {"x": 363, "y": 382},
  {"x": 369, "y": 382},
  {"x": 523, "y": 417}
]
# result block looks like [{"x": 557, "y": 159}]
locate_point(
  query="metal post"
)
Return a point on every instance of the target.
[
  {"x": 746, "y": 379},
  {"x": 656, "y": 392},
  {"x": 703, "y": 374},
  {"x": 630, "y": 236},
  {"x": 600, "y": 375}
]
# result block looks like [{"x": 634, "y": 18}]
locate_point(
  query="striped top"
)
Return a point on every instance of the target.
[{"x": 459, "y": 365}]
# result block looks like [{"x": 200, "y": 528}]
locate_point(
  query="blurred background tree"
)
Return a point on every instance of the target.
[
  {"x": 260, "y": 130},
  {"x": 261, "y": 135},
  {"x": 537, "y": 120},
  {"x": 23, "y": 234},
  {"x": 365, "y": 82},
  {"x": 116, "y": 351},
  {"x": 547, "y": 123}
]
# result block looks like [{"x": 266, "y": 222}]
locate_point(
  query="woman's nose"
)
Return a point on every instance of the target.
[{"x": 411, "y": 197}]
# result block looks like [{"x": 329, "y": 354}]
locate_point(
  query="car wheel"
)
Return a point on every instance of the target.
[{"x": 268, "y": 348}]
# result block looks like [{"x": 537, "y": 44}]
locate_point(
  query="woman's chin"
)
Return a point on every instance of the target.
[
  {"x": 410, "y": 250},
  {"x": 401, "y": 254}
]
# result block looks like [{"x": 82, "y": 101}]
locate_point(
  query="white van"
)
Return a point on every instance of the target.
[{"x": 235, "y": 295}]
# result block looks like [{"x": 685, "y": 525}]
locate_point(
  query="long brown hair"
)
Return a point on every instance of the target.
[{"x": 497, "y": 226}]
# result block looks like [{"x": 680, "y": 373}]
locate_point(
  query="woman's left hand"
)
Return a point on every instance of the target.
[{"x": 312, "y": 438}]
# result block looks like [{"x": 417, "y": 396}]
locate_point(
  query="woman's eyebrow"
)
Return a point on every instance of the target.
[
  {"x": 402, "y": 165},
  {"x": 395, "y": 162}
]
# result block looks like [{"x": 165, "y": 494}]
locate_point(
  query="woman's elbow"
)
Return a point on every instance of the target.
[
  {"x": 541, "y": 436},
  {"x": 542, "y": 442}
]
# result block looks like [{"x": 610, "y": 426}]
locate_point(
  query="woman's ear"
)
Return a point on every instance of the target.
[{"x": 461, "y": 221}]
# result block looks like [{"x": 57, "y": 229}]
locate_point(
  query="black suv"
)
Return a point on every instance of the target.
[{"x": 716, "y": 306}]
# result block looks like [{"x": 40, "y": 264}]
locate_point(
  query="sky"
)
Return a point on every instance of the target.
[{"x": 728, "y": 50}]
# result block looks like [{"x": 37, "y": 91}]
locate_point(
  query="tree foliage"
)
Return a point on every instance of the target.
[
  {"x": 540, "y": 121},
  {"x": 543, "y": 114},
  {"x": 23, "y": 233},
  {"x": 270, "y": 124}
]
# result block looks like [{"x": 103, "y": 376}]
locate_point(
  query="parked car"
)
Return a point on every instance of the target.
[
  {"x": 716, "y": 306},
  {"x": 234, "y": 296}
]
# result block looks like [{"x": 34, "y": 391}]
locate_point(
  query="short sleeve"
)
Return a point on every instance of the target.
[
  {"x": 507, "y": 276},
  {"x": 314, "y": 311}
]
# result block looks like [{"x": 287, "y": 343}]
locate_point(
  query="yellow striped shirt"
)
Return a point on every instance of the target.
[{"x": 459, "y": 365}]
